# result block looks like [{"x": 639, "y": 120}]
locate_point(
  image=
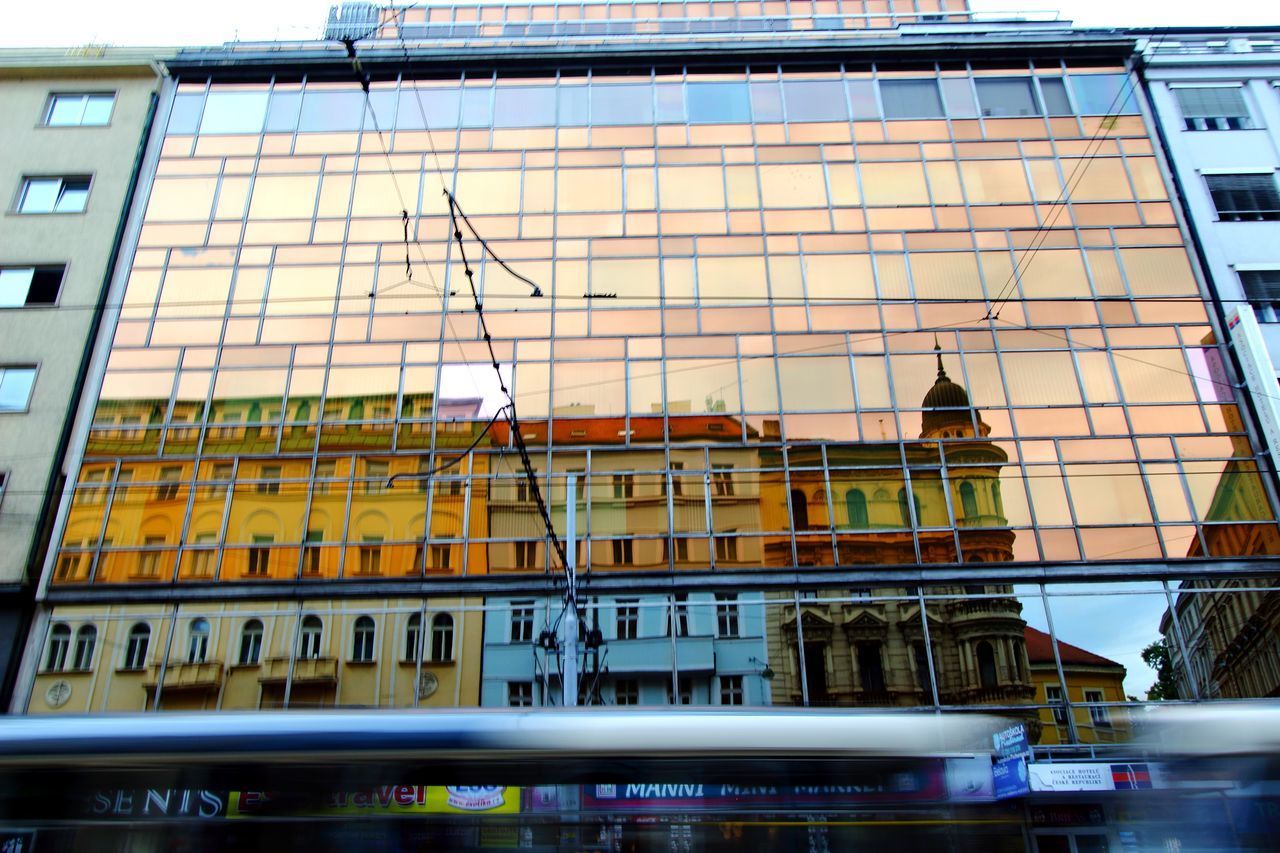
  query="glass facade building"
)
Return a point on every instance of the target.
[{"x": 902, "y": 350}]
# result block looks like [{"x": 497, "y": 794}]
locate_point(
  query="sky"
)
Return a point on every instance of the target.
[{"x": 132, "y": 22}]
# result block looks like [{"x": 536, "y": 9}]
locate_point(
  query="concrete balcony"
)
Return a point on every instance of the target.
[
  {"x": 305, "y": 671},
  {"x": 653, "y": 654},
  {"x": 193, "y": 677}
]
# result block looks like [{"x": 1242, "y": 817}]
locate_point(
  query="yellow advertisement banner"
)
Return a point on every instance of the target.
[{"x": 394, "y": 800}]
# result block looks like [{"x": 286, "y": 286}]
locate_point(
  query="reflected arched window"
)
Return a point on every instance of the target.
[
  {"x": 904, "y": 511},
  {"x": 312, "y": 631},
  {"x": 442, "y": 637},
  {"x": 198, "y": 641},
  {"x": 86, "y": 640},
  {"x": 362, "y": 640},
  {"x": 59, "y": 645},
  {"x": 135, "y": 651},
  {"x": 968, "y": 500},
  {"x": 413, "y": 638},
  {"x": 986, "y": 664},
  {"x": 856, "y": 503},
  {"x": 251, "y": 643}
]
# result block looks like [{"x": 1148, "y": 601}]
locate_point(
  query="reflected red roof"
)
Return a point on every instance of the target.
[{"x": 1039, "y": 650}]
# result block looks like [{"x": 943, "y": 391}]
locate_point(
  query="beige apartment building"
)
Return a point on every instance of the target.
[{"x": 75, "y": 124}]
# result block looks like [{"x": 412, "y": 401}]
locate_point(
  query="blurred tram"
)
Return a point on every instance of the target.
[{"x": 1194, "y": 778}]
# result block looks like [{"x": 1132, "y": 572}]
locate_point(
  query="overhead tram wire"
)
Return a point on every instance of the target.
[
  {"x": 571, "y": 596},
  {"x": 1124, "y": 93},
  {"x": 531, "y": 476}
]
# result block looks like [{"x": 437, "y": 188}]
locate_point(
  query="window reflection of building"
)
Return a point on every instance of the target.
[
  {"x": 716, "y": 655},
  {"x": 1230, "y": 628},
  {"x": 265, "y": 654},
  {"x": 869, "y": 648},
  {"x": 1090, "y": 678}
]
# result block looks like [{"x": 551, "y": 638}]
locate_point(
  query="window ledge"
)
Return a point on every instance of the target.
[
  {"x": 361, "y": 662},
  {"x": 130, "y": 670},
  {"x": 254, "y": 665}
]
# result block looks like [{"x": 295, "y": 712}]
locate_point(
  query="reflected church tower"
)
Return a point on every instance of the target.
[{"x": 870, "y": 648}]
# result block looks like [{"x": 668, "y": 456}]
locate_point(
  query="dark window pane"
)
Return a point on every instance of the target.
[
  {"x": 1241, "y": 198},
  {"x": 1261, "y": 287},
  {"x": 1054, "y": 90},
  {"x": 45, "y": 284},
  {"x": 911, "y": 99},
  {"x": 711, "y": 103},
  {"x": 815, "y": 100},
  {"x": 1011, "y": 97}
]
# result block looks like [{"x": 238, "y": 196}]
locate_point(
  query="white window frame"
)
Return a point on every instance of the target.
[
  {"x": 135, "y": 656},
  {"x": 733, "y": 687},
  {"x": 84, "y": 98},
  {"x": 24, "y": 188},
  {"x": 1097, "y": 714},
  {"x": 31, "y": 392},
  {"x": 30, "y": 279}
]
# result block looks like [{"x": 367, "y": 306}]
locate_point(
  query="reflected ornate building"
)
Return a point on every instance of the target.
[{"x": 871, "y": 648}]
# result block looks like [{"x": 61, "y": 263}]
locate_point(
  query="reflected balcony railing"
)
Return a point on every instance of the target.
[
  {"x": 183, "y": 675},
  {"x": 318, "y": 670}
]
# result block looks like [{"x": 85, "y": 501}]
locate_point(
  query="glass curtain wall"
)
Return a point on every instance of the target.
[{"x": 851, "y": 316}]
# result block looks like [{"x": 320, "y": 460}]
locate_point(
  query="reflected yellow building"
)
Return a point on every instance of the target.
[
  {"x": 1090, "y": 678},
  {"x": 226, "y": 656}
]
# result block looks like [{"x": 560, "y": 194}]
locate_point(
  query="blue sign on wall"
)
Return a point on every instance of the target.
[
  {"x": 1009, "y": 776},
  {"x": 1011, "y": 741}
]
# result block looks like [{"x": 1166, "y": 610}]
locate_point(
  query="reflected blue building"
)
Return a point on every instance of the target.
[{"x": 694, "y": 649}]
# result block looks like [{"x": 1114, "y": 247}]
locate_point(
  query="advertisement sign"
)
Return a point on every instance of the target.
[
  {"x": 396, "y": 800},
  {"x": 1010, "y": 777},
  {"x": 1011, "y": 741},
  {"x": 1090, "y": 777},
  {"x": 928, "y": 785},
  {"x": 969, "y": 779}
]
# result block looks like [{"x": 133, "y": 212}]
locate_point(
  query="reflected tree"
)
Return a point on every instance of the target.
[{"x": 1158, "y": 658}]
